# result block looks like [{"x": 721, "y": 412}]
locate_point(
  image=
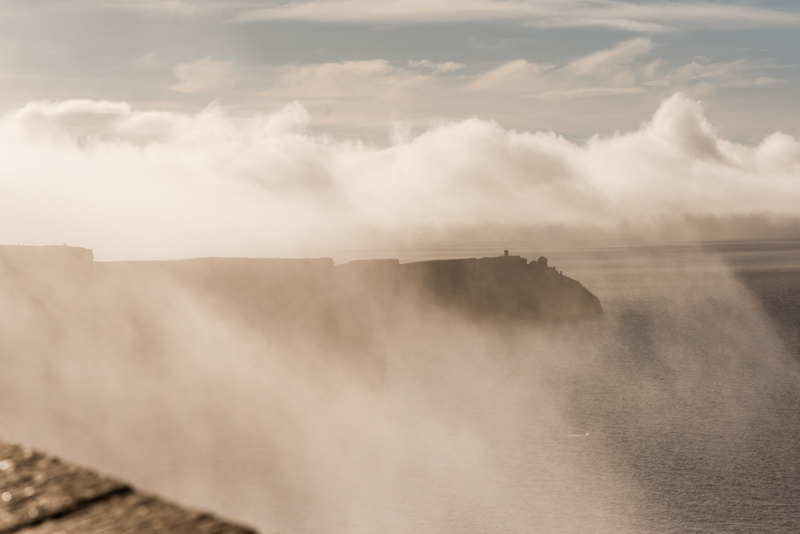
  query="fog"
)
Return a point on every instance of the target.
[
  {"x": 245, "y": 395},
  {"x": 276, "y": 394},
  {"x": 139, "y": 184}
]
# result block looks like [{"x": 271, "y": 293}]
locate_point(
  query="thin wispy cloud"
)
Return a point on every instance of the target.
[
  {"x": 653, "y": 17},
  {"x": 447, "y": 66},
  {"x": 613, "y": 71},
  {"x": 628, "y": 68},
  {"x": 203, "y": 76},
  {"x": 622, "y": 70},
  {"x": 349, "y": 80},
  {"x": 585, "y": 92},
  {"x": 166, "y": 7},
  {"x": 616, "y": 14}
]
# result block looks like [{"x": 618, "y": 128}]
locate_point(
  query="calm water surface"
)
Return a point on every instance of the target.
[
  {"x": 694, "y": 394},
  {"x": 683, "y": 406}
]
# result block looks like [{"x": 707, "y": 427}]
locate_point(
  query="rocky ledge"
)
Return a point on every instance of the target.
[{"x": 40, "y": 494}]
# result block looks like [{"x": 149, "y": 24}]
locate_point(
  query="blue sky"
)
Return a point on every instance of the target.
[{"x": 576, "y": 67}]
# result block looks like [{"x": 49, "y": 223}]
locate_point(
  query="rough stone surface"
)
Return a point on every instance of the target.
[
  {"x": 133, "y": 512},
  {"x": 40, "y": 493}
]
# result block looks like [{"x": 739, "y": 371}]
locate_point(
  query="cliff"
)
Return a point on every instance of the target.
[
  {"x": 505, "y": 288},
  {"x": 150, "y": 369},
  {"x": 334, "y": 316}
]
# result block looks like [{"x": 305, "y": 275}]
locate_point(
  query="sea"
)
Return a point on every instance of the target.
[
  {"x": 678, "y": 411},
  {"x": 704, "y": 352}
]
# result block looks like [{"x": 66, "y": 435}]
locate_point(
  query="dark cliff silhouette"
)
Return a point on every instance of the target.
[
  {"x": 505, "y": 288},
  {"x": 332, "y": 315},
  {"x": 130, "y": 329}
]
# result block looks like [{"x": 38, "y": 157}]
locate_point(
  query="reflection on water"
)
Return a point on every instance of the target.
[{"x": 699, "y": 397}]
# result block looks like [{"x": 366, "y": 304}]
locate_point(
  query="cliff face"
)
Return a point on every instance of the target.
[
  {"x": 185, "y": 374},
  {"x": 506, "y": 288},
  {"x": 326, "y": 317}
]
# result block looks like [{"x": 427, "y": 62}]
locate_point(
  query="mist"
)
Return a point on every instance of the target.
[
  {"x": 238, "y": 386},
  {"x": 365, "y": 267},
  {"x": 139, "y": 184},
  {"x": 280, "y": 394}
]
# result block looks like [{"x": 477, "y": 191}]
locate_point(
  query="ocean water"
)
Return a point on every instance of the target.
[
  {"x": 677, "y": 411},
  {"x": 692, "y": 390}
]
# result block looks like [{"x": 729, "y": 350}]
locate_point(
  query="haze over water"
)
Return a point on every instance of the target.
[
  {"x": 648, "y": 148},
  {"x": 676, "y": 411},
  {"x": 687, "y": 387}
]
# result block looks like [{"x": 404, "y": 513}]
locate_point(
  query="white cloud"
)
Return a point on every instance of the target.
[
  {"x": 203, "y": 76},
  {"x": 159, "y": 185}
]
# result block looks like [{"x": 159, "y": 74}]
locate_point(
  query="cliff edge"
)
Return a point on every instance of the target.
[
  {"x": 333, "y": 316},
  {"x": 496, "y": 288}
]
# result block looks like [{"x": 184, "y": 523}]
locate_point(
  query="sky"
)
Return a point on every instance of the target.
[
  {"x": 147, "y": 90},
  {"x": 577, "y": 67}
]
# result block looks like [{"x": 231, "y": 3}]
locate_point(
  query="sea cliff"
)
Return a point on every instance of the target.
[{"x": 333, "y": 316}]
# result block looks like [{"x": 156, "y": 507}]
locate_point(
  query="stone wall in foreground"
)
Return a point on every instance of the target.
[{"x": 40, "y": 494}]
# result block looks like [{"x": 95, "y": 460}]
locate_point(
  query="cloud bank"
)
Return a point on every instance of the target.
[{"x": 152, "y": 184}]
